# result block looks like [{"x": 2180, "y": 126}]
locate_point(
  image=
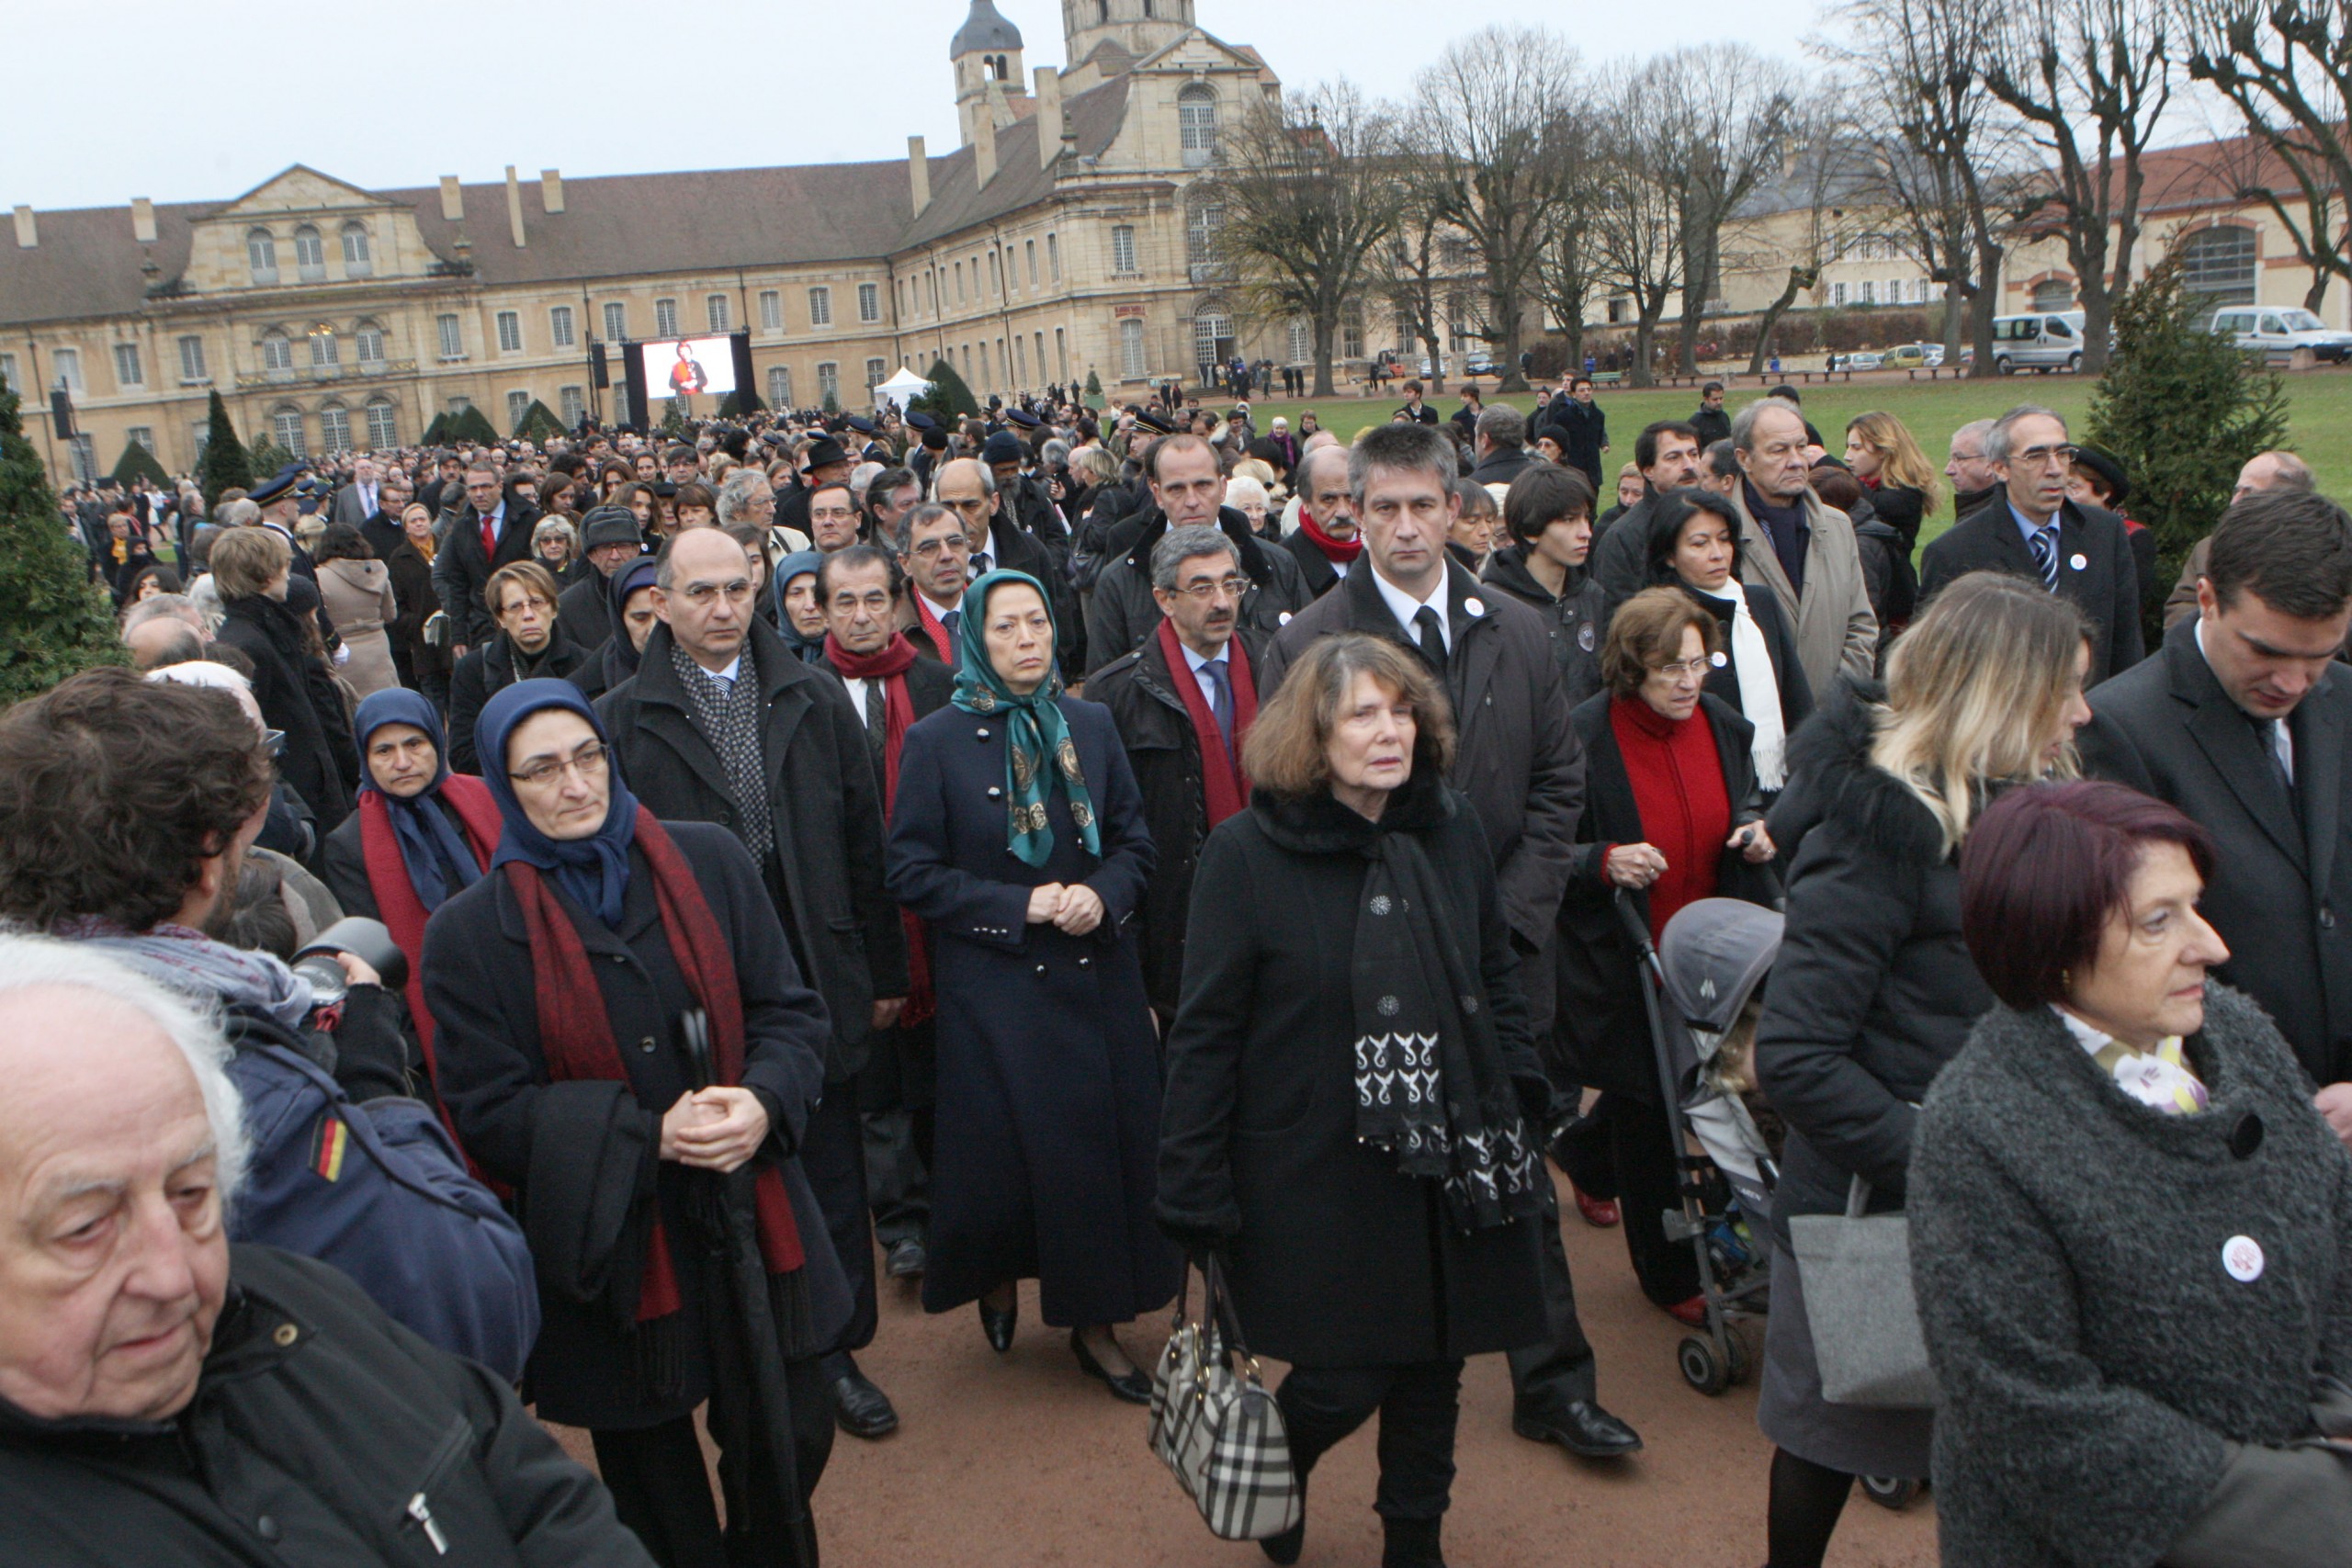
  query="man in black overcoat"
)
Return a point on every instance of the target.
[
  {"x": 1517, "y": 761},
  {"x": 2242, "y": 720},
  {"x": 2031, "y": 528},
  {"x": 1326, "y": 507},
  {"x": 1584, "y": 429},
  {"x": 489, "y": 531},
  {"x": 722, "y": 723}
]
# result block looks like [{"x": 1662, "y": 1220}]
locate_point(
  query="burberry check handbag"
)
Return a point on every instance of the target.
[{"x": 1216, "y": 1426}]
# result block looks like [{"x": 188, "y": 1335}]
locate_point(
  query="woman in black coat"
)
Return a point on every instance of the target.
[
  {"x": 624, "y": 1040},
  {"x": 297, "y": 696},
  {"x": 1651, "y": 832},
  {"x": 1874, "y": 991},
  {"x": 1375, "y": 1232},
  {"x": 1694, "y": 546},
  {"x": 422, "y": 664},
  {"x": 1018, "y": 835}
]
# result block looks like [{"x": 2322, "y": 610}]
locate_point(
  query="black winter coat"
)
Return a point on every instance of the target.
[
  {"x": 1147, "y": 707},
  {"x": 1901, "y": 508},
  {"x": 319, "y": 1430},
  {"x": 413, "y": 591},
  {"x": 461, "y": 572},
  {"x": 488, "y": 669},
  {"x": 1316, "y": 572},
  {"x": 2166, "y": 729},
  {"x": 2094, "y": 570},
  {"x": 1603, "y": 1023},
  {"x": 1873, "y": 991},
  {"x": 299, "y": 696},
  {"x": 584, "y": 610},
  {"x": 515, "y": 1123},
  {"x": 1123, "y": 612},
  {"x": 825, "y": 801},
  {"x": 1517, "y": 756},
  {"x": 1337, "y": 1259},
  {"x": 1573, "y": 621}
]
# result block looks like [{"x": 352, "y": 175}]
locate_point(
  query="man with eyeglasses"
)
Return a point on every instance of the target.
[
  {"x": 1182, "y": 703},
  {"x": 935, "y": 552},
  {"x": 968, "y": 488},
  {"x": 2031, "y": 528},
  {"x": 833, "y": 518},
  {"x": 724, "y": 723},
  {"x": 489, "y": 531}
]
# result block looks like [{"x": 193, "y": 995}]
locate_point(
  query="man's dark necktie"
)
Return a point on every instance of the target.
[
  {"x": 2265, "y": 735},
  {"x": 948, "y": 623},
  {"x": 1221, "y": 700},
  {"x": 2043, "y": 542},
  {"x": 1431, "y": 632},
  {"x": 875, "y": 706}
]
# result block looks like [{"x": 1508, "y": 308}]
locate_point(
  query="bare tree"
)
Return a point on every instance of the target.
[
  {"x": 2090, "y": 79},
  {"x": 1411, "y": 269},
  {"x": 1637, "y": 223},
  {"x": 1478, "y": 138},
  {"x": 2285, "y": 66},
  {"x": 1304, "y": 193},
  {"x": 1828, "y": 178}
]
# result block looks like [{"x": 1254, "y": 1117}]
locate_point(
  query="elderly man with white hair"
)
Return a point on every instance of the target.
[{"x": 167, "y": 1397}]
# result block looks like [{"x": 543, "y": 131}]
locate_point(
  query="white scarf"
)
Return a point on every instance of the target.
[{"x": 1759, "y": 693}]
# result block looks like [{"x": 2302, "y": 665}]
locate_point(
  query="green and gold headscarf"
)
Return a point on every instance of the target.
[{"x": 1038, "y": 751}]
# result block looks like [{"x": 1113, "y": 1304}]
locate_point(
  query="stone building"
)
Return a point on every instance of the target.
[{"x": 1056, "y": 241}]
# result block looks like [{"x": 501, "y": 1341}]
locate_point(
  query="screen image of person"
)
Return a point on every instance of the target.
[
  {"x": 687, "y": 375},
  {"x": 692, "y": 366}
]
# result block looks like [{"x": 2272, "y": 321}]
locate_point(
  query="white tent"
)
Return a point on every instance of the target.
[{"x": 899, "y": 387}]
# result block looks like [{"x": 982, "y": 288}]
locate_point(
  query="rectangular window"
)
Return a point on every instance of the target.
[
  {"x": 1837, "y": 294},
  {"x": 453, "y": 341},
  {"x": 1123, "y": 249},
  {"x": 829, "y": 383},
  {"x": 1870, "y": 292},
  {"x": 959, "y": 283},
  {"x": 1029, "y": 247},
  {"x": 278, "y": 352},
  {"x": 779, "y": 385},
  {"x": 510, "y": 331},
  {"x": 142, "y": 435},
  {"x": 770, "y": 310},
  {"x": 820, "y": 307},
  {"x": 869, "y": 302},
  {"x": 325, "y": 351},
  {"x": 335, "y": 429},
  {"x": 877, "y": 372},
  {"x": 518, "y": 405},
  {"x": 383, "y": 425},
  {"x": 67, "y": 363},
  {"x": 665, "y": 318},
  {"x": 1019, "y": 364},
  {"x": 192, "y": 360},
  {"x": 286, "y": 429},
  {"x": 1131, "y": 349},
  {"x": 573, "y": 401},
  {"x": 560, "y": 326},
  {"x": 127, "y": 372},
  {"x": 996, "y": 278},
  {"x": 8, "y": 372},
  {"x": 714, "y": 307},
  {"x": 1054, "y": 257},
  {"x": 203, "y": 430},
  {"x": 615, "y": 321}
]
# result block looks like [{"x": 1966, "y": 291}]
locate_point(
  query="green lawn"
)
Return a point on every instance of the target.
[{"x": 2320, "y": 407}]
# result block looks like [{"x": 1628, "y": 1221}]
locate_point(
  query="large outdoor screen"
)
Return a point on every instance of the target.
[{"x": 684, "y": 367}]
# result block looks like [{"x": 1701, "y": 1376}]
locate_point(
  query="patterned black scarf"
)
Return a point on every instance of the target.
[{"x": 727, "y": 714}]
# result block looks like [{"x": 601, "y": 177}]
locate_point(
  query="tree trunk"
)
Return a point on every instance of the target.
[
  {"x": 1645, "y": 339},
  {"x": 1700, "y": 286},
  {"x": 1955, "y": 323},
  {"x": 1507, "y": 317},
  {"x": 1772, "y": 318},
  {"x": 2098, "y": 317},
  {"x": 1985, "y": 307},
  {"x": 1324, "y": 333}
]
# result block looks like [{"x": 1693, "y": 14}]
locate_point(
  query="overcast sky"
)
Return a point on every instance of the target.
[{"x": 186, "y": 102}]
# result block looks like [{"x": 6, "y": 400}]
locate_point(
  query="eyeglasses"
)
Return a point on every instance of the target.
[
  {"x": 591, "y": 763},
  {"x": 1695, "y": 667},
  {"x": 2042, "y": 456},
  {"x": 954, "y": 543},
  {"x": 1223, "y": 587},
  {"x": 701, "y": 594}
]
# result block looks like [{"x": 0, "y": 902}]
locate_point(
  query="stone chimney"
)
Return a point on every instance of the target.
[
  {"x": 27, "y": 236},
  {"x": 551, "y": 190},
  {"x": 453, "y": 199},
  {"x": 515, "y": 208},
  {"x": 142, "y": 220},
  {"x": 918, "y": 173},
  {"x": 983, "y": 147},
  {"x": 1048, "y": 117}
]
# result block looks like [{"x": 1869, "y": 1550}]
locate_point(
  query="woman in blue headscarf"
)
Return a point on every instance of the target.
[
  {"x": 1018, "y": 833},
  {"x": 625, "y": 1040}
]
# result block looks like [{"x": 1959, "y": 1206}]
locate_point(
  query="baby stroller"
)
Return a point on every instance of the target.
[{"x": 1717, "y": 952}]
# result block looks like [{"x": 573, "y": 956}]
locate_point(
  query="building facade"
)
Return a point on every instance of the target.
[{"x": 1057, "y": 242}]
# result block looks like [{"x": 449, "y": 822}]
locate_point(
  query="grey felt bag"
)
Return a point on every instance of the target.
[{"x": 1856, "y": 1272}]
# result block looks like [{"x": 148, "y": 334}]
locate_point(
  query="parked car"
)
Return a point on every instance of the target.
[
  {"x": 1913, "y": 355},
  {"x": 1861, "y": 359},
  {"x": 1481, "y": 362},
  {"x": 2042, "y": 341},
  {"x": 2278, "y": 333}
]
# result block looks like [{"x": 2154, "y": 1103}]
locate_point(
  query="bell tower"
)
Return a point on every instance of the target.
[
  {"x": 986, "y": 54},
  {"x": 1138, "y": 27}
]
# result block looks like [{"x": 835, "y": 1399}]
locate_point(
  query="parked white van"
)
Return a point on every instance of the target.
[
  {"x": 2277, "y": 331},
  {"x": 2046, "y": 340}
]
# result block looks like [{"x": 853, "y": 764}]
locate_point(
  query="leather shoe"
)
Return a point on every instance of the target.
[
  {"x": 1601, "y": 1213},
  {"x": 1133, "y": 1386},
  {"x": 999, "y": 1325},
  {"x": 906, "y": 1259},
  {"x": 1580, "y": 1426},
  {"x": 862, "y": 1409}
]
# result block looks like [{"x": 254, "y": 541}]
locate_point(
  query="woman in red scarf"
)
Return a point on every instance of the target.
[{"x": 625, "y": 1040}]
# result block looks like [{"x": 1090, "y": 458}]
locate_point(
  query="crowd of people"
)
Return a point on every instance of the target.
[{"x": 1077, "y": 845}]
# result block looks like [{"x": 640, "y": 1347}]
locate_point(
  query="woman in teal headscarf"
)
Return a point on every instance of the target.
[{"x": 1018, "y": 835}]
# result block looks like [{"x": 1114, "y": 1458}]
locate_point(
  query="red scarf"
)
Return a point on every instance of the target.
[
  {"x": 931, "y": 628},
  {"x": 1222, "y": 780},
  {"x": 396, "y": 901},
  {"x": 1338, "y": 552},
  {"x": 889, "y": 667},
  {"x": 576, "y": 1033}
]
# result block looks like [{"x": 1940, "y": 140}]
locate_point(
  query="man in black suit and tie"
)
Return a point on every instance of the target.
[
  {"x": 2031, "y": 528},
  {"x": 2242, "y": 720}
]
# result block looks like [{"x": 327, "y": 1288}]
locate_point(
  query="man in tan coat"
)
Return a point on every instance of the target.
[{"x": 1800, "y": 548}]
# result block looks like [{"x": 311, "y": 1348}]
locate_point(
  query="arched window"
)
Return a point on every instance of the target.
[
  {"x": 1212, "y": 336},
  {"x": 286, "y": 429},
  {"x": 277, "y": 351},
  {"x": 261, "y": 254},
  {"x": 335, "y": 428},
  {"x": 310, "y": 254},
  {"x": 357, "y": 261},
  {"x": 367, "y": 343},
  {"x": 325, "y": 351},
  {"x": 383, "y": 423},
  {"x": 2218, "y": 265},
  {"x": 2052, "y": 294},
  {"x": 1197, "y": 124}
]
